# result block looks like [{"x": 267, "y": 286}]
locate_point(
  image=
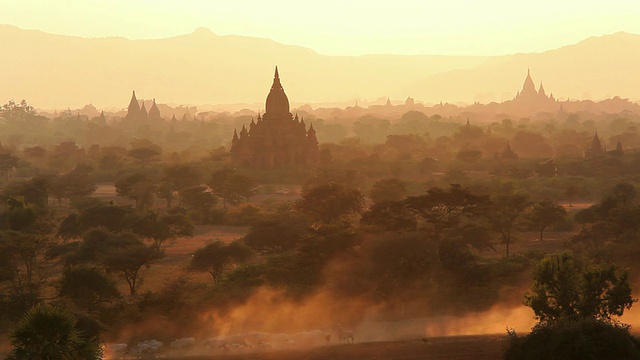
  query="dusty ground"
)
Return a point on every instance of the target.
[
  {"x": 485, "y": 347},
  {"x": 178, "y": 254}
]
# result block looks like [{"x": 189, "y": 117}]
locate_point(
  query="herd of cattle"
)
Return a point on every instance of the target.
[{"x": 151, "y": 349}]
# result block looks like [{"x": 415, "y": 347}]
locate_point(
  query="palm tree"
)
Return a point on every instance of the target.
[{"x": 51, "y": 333}]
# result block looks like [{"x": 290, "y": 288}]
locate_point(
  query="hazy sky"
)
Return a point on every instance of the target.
[{"x": 339, "y": 27}]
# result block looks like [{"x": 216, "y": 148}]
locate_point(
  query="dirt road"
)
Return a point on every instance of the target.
[{"x": 486, "y": 347}]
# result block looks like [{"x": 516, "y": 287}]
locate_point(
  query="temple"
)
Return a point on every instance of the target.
[
  {"x": 508, "y": 153},
  {"x": 277, "y": 138},
  {"x": 596, "y": 147},
  {"x": 529, "y": 96},
  {"x": 136, "y": 113}
]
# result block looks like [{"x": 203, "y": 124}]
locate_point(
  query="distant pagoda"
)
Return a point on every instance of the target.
[
  {"x": 277, "y": 138},
  {"x": 531, "y": 97},
  {"x": 596, "y": 147},
  {"x": 508, "y": 153},
  {"x": 137, "y": 113}
]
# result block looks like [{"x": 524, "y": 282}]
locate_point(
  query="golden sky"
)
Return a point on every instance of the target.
[{"x": 339, "y": 27}]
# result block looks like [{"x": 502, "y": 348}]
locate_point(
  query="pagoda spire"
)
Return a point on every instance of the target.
[
  {"x": 154, "y": 112},
  {"x": 133, "y": 111},
  {"x": 143, "y": 111},
  {"x": 541, "y": 90},
  {"x": 528, "y": 88},
  {"x": 276, "y": 81},
  {"x": 277, "y": 101}
]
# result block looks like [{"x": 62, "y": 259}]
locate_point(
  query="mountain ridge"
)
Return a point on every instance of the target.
[{"x": 201, "y": 67}]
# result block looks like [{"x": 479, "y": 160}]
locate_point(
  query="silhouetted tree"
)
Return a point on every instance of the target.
[
  {"x": 139, "y": 187},
  {"x": 76, "y": 183},
  {"x": 87, "y": 286},
  {"x": 571, "y": 192},
  {"x": 329, "y": 203},
  {"x": 182, "y": 176},
  {"x": 445, "y": 209},
  {"x": 160, "y": 228},
  {"x": 278, "y": 233},
  {"x": 217, "y": 257},
  {"x": 8, "y": 162},
  {"x": 144, "y": 155},
  {"x": 13, "y": 112},
  {"x": 47, "y": 332},
  {"x": 577, "y": 306},
  {"x": 231, "y": 186},
  {"x": 199, "y": 200},
  {"x": 504, "y": 211},
  {"x": 34, "y": 191},
  {"x": 564, "y": 291},
  {"x": 128, "y": 257},
  {"x": 389, "y": 216},
  {"x": 546, "y": 213},
  {"x": 388, "y": 190}
]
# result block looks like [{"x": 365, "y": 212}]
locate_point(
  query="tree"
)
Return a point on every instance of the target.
[
  {"x": 388, "y": 190},
  {"x": 330, "y": 203},
  {"x": 25, "y": 259},
  {"x": 75, "y": 183},
  {"x": 546, "y": 213},
  {"x": 139, "y": 187},
  {"x": 182, "y": 176},
  {"x": 616, "y": 214},
  {"x": 571, "y": 192},
  {"x": 47, "y": 332},
  {"x": 231, "y": 186},
  {"x": 278, "y": 233},
  {"x": 19, "y": 216},
  {"x": 177, "y": 177},
  {"x": 35, "y": 191},
  {"x": 165, "y": 191},
  {"x": 565, "y": 291},
  {"x": 389, "y": 216},
  {"x": 585, "y": 339},
  {"x": 445, "y": 209},
  {"x": 577, "y": 306},
  {"x": 217, "y": 257},
  {"x": 503, "y": 212},
  {"x": 13, "y": 112},
  {"x": 87, "y": 286},
  {"x": 144, "y": 151},
  {"x": 199, "y": 200},
  {"x": 113, "y": 218},
  {"x": 8, "y": 162},
  {"x": 128, "y": 257},
  {"x": 160, "y": 228},
  {"x": 469, "y": 156}
]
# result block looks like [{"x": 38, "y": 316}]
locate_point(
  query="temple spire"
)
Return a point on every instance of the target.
[
  {"x": 134, "y": 108},
  {"x": 276, "y": 81},
  {"x": 277, "y": 102},
  {"x": 154, "y": 112}
]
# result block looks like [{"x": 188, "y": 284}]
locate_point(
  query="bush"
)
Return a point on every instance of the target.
[{"x": 580, "y": 340}]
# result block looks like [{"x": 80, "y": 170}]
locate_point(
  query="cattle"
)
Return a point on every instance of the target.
[
  {"x": 183, "y": 343},
  {"x": 346, "y": 336}
]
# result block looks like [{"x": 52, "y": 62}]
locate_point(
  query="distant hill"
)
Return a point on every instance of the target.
[
  {"x": 197, "y": 68},
  {"x": 596, "y": 68},
  {"x": 55, "y": 71}
]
